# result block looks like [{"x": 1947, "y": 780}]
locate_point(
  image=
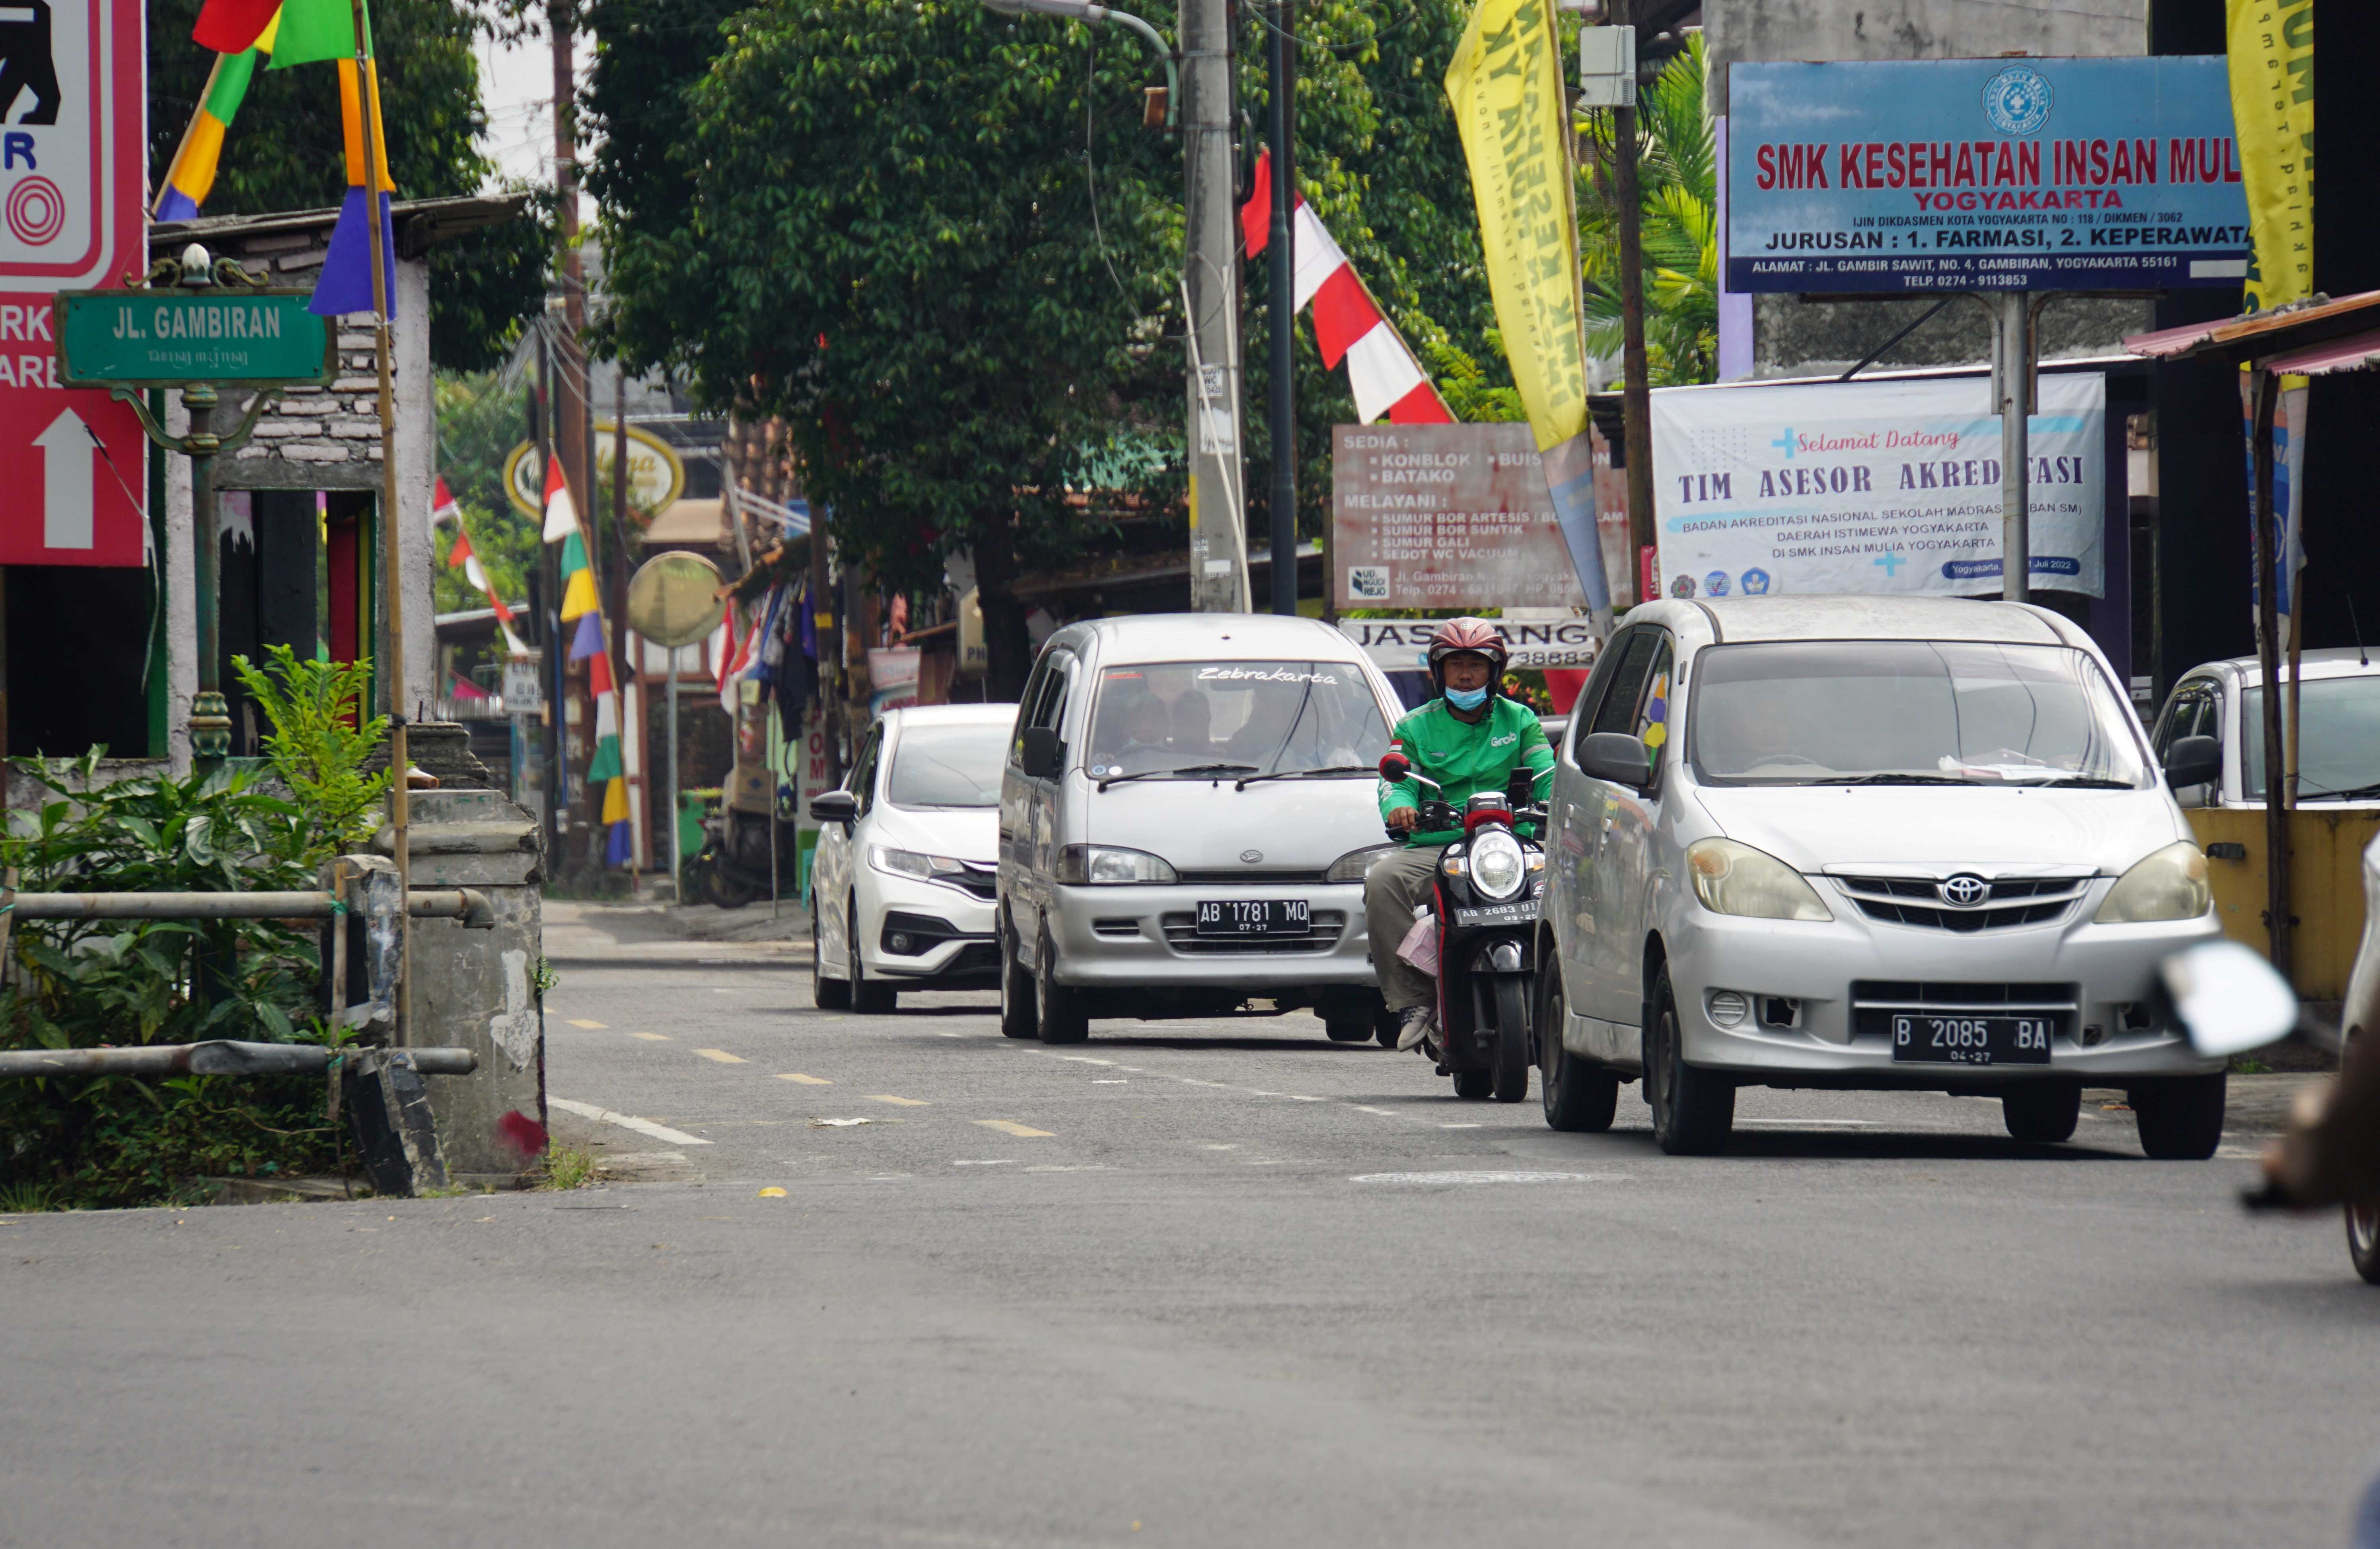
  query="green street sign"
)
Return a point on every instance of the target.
[{"x": 165, "y": 338}]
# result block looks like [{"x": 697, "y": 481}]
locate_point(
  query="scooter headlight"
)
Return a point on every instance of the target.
[
  {"x": 2169, "y": 883},
  {"x": 1732, "y": 879},
  {"x": 1497, "y": 868}
]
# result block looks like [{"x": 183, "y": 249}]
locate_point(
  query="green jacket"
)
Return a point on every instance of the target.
[{"x": 1464, "y": 758}]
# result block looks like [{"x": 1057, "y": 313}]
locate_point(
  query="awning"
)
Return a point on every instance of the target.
[
  {"x": 2259, "y": 334},
  {"x": 2347, "y": 355}
]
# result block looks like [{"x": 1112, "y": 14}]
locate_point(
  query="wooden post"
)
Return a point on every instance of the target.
[{"x": 2276, "y": 816}]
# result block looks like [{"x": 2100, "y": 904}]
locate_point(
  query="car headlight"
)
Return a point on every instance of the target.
[
  {"x": 1355, "y": 864},
  {"x": 1732, "y": 879},
  {"x": 2169, "y": 883},
  {"x": 909, "y": 863},
  {"x": 1099, "y": 865},
  {"x": 1497, "y": 867}
]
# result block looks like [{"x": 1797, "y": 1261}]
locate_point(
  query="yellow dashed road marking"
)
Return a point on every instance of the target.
[
  {"x": 721, "y": 1055},
  {"x": 901, "y": 1102},
  {"x": 1010, "y": 1127},
  {"x": 576, "y": 1021},
  {"x": 806, "y": 1081},
  {"x": 651, "y": 1037}
]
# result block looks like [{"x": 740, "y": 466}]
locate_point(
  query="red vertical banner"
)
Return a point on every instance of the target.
[{"x": 73, "y": 128}]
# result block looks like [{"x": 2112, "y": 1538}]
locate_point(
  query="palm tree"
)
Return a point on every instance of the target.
[{"x": 1677, "y": 182}]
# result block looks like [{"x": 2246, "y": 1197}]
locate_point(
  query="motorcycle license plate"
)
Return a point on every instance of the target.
[
  {"x": 1520, "y": 912},
  {"x": 1956, "y": 1040},
  {"x": 1254, "y": 916}
]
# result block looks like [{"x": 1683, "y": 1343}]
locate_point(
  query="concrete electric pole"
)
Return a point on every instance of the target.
[{"x": 1281, "y": 304}]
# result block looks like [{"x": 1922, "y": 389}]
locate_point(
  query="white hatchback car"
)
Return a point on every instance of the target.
[{"x": 907, "y": 859}]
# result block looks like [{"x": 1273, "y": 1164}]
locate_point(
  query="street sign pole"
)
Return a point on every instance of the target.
[
  {"x": 198, "y": 323},
  {"x": 2013, "y": 372}
]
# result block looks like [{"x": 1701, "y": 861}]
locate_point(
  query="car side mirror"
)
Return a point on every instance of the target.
[
  {"x": 2193, "y": 761},
  {"x": 1618, "y": 757},
  {"x": 835, "y": 807},
  {"x": 1040, "y": 752}
]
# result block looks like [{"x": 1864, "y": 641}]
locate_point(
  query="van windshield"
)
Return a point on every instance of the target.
[
  {"x": 2338, "y": 730},
  {"x": 1915, "y": 712},
  {"x": 1268, "y": 716}
]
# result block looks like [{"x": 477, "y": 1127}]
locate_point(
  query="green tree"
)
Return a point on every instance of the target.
[
  {"x": 282, "y": 152},
  {"x": 1678, "y": 181},
  {"x": 481, "y": 418}
]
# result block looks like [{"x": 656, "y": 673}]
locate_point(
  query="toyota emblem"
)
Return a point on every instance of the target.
[
  {"x": 1964, "y": 891},
  {"x": 1251, "y": 857}
]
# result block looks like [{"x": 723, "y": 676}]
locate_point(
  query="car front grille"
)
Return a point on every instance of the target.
[
  {"x": 1243, "y": 875},
  {"x": 980, "y": 879},
  {"x": 1876, "y": 1002},
  {"x": 1181, "y": 935},
  {"x": 1914, "y": 900}
]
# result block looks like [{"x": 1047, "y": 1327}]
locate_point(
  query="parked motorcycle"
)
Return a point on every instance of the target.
[
  {"x": 1484, "y": 900},
  {"x": 731, "y": 868}
]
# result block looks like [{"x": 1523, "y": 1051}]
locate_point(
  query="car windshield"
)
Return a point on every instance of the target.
[
  {"x": 1264, "y": 715},
  {"x": 2338, "y": 737},
  {"x": 1907, "y": 711},
  {"x": 949, "y": 766}
]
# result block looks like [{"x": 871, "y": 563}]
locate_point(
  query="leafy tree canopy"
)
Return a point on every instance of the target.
[
  {"x": 480, "y": 418},
  {"x": 282, "y": 152}
]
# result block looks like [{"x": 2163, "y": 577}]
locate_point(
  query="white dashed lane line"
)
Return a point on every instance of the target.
[{"x": 662, "y": 1132}]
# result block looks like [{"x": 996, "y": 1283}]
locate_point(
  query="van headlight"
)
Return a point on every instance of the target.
[
  {"x": 1103, "y": 865},
  {"x": 1497, "y": 868},
  {"x": 1355, "y": 864},
  {"x": 1732, "y": 879},
  {"x": 2169, "y": 883}
]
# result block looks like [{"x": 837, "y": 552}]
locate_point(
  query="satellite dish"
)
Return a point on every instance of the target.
[{"x": 673, "y": 600}]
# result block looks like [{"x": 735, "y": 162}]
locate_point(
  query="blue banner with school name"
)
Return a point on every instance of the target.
[{"x": 1984, "y": 175}]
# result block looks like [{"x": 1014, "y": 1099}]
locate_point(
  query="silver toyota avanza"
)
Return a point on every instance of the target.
[{"x": 1842, "y": 841}]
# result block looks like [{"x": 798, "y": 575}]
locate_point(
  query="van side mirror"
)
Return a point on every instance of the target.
[
  {"x": 1618, "y": 757},
  {"x": 1040, "y": 752},
  {"x": 2193, "y": 761},
  {"x": 835, "y": 807}
]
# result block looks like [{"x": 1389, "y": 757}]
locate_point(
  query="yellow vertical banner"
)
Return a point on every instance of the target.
[
  {"x": 1506, "y": 86},
  {"x": 2271, "y": 48}
]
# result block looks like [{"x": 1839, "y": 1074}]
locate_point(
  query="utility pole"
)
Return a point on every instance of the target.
[
  {"x": 1210, "y": 282},
  {"x": 1635, "y": 378},
  {"x": 1282, "y": 306}
]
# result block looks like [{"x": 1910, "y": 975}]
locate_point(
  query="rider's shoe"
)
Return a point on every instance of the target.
[{"x": 1414, "y": 1024}]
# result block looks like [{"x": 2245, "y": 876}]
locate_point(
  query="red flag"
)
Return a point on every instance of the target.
[
  {"x": 599, "y": 673},
  {"x": 1255, "y": 216},
  {"x": 466, "y": 689},
  {"x": 459, "y": 556},
  {"x": 443, "y": 506},
  {"x": 233, "y": 26}
]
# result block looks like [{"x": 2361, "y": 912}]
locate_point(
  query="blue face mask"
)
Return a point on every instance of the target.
[{"x": 1466, "y": 698}]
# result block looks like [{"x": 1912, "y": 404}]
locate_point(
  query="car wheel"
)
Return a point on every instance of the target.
[
  {"x": 1015, "y": 988},
  {"x": 1473, "y": 1086},
  {"x": 1580, "y": 1097},
  {"x": 2364, "y": 1240},
  {"x": 2044, "y": 1113},
  {"x": 827, "y": 994},
  {"x": 1692, "y": 1110},
  {"x": 2181, "y": 1117},
  {"x": 1060, "y": 1015},
  {"x": 872, "y": 997},
  {"x": 1511, "y": 1070}
]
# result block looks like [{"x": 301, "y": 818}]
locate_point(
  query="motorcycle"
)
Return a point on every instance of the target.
[{"x": 1485, "y": 899}]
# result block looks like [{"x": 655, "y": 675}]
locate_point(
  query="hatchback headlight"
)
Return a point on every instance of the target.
[
  {"x": 1101, "y": 866},
  {"x": 1355, "y": 864},
  {"x": 2169, "y": 883},
  {"x": 1732, "y": 879},
  {"x": 1497, "y": 867},
  {"x": 909, "y": 863}
]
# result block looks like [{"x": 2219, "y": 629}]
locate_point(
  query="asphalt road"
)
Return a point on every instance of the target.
[{"x": 1192, "y": 1284}]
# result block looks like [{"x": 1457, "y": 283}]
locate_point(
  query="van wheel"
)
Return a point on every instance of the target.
[
  {"x": 1061, "y": 1016},
  {"x": 1692, "y": 1110},
  {"x": 1015, "y": 988},
  {"x": 827, "y": 994},
  {"x": 2364, "y": 1240},
  {"x": 2043, "y": 1112},
  {"x": 1580, "y": 1097},
  {"x": 2181, "y": 1117},
  {"x": 871, "y": 997}
]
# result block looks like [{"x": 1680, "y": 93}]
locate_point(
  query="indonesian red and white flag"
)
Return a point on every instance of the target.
[
  {"x": 561, "y": 514},
  {"x": 443, "y": 506},
  {"x": 464, "y": 558},
  {"x": 732, "y": 665},
  {"x": 1347, "y": 324}
]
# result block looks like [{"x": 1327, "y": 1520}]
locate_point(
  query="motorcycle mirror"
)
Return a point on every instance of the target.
[
  {"x": 2228, "y": 999},
  {"x": 1519, "y": 786},
  {"x": 1393, "y": 767}
]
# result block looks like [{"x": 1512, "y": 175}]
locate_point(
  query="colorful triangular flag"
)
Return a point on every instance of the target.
[
  {"x": 579, "y": 596},
  {"x": 233, "y": 26},
  {"x": 561, "y": 513},
  {"x": 443, "y": 506},
  {"x": 605, "y": 765},
  {"x": 574, "y": 553},
  {"x": 312, "y": 31},
  {"x": 589, "y": 641}
]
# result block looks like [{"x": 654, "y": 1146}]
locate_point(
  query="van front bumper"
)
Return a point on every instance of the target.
[
  {"x": 1816, "y": 994},
  {"x": 1117, "y": 938}
]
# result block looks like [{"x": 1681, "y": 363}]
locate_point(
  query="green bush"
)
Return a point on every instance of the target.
[{"x": 320, "y": 742}]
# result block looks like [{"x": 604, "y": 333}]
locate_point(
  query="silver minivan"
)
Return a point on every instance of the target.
[
  {"x": 1846, "y": 842},
  {"x": 1187, "y": 816}
]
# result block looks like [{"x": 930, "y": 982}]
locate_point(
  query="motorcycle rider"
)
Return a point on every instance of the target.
[{"x": 1468, "y": 739}]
